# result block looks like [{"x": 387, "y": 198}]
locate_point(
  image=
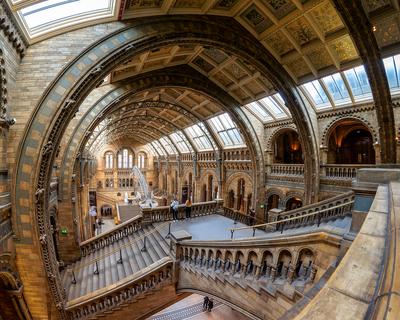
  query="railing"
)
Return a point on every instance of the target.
[
  {"x": 343, "y": 171},
  {"x": 286, "y": 169},
  {"x": 386, "y": 296},
  {"x": 124, "y": 172},
  {"x": 149, "y": 215},
  {"x": 258, "y": 258},
  {"x": 335, "y": 207},
  {"x": 199, "y": 209},
  {"x": 104, "y": 300},
  {"x": 239, "y": 216},
  {"x": 104, "y": 239},
  {"x": 5, "y": 229}
]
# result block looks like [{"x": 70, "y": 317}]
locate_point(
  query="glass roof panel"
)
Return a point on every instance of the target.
[
  {"x": 358, "y": 81},
  {"x": 317, "y": 94},
  {"x": 259, "y": 111},
  {"x": 180, "y": 141},
  {"x": 273, "y": 106},
  {"x": 337, "y": 89},
  {"x": 392, "y": 65},
  {"x": 168, "y": 145},
  {"x": 200, "y": 136},
  {"x": 226, "y": 130},
  {"x": 54, "y": 14},
  {"x": 156, "y": 145}
]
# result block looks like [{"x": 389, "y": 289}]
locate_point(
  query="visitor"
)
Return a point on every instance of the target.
[
  {"x": 205, "y": 303},
  {"x": 171, "y": 210},
  {"x": 175, "y": 209},
  {"x": 188, "y": 208},
  {"x": 210, "y": 304},
  {"x": 252, "y": 217}
]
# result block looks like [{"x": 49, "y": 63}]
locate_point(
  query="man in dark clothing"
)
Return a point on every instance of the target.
[
  {"x": 210, "y": 304},
  {"x": 205, "y": 304}
]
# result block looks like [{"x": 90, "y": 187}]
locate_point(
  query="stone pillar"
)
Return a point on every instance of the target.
[
  {"x": 377, "y": 148},
  {"x": 273, "y": 214},
  {"x": 273, "y": 273},
  {"x": 290, "y": 274},
  {"x": 324, "y": 159}
]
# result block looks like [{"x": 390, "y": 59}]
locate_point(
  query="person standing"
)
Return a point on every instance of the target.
[
  {"x": 171, "y": 210},
  {"x": 188, "y": 208},
  {"x": 175, "y": 209},
  {"x": 210, "y": 304},
  {"x": 205, "y": 303}
]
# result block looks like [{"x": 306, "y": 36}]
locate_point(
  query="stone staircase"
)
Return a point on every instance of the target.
[
  {"x": 114, "y": 262},
  {"x": 128, "y": 211}
]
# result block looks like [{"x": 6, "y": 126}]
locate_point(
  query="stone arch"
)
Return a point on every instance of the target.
[
  {"x": 276, "y": 133},
  {"x": 84, "y": 72},
  {"x": 272, "y": 191},
  {"x": 292, "y": 194},
  {"x": 336, "y": 122}
]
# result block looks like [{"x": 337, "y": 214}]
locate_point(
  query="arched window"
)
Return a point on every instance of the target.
[
  {"x": 125, "y": 159},
  {"x": 109, "y": 160},
  {"x": 141, "y": 161}
]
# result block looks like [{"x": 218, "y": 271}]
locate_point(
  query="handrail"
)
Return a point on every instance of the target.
[
  {"x": 232, "y": 230},
  {"x": 388, "y": 282},
  {"x": 118, "y": 249}
]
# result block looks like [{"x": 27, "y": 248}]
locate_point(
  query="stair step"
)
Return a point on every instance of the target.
[
  {"x": 136, "y": 246},
  {"x": 150, "y": 254},
  {"x": 131, "y": 255}
]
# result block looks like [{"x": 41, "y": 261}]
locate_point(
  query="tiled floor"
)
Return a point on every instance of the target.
[
  {"x": 108, "y": 224},
  {"x": 192, "y": 308}
]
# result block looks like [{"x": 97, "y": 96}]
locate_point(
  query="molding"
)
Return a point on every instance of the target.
[{"x": 11, "y": 30}]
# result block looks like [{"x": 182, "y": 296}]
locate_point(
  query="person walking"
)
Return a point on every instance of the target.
[
  {"x": 205, "y": 303},
  {"x": 171, "y": 210},
  {"x": 210, "y": 304},
  {"x": 188, "y": 208}
]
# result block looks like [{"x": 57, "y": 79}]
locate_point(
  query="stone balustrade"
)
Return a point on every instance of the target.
[
  {"x": 199, "y": 209},
  {"x": 107, "y": 299},
  {"x": 148, "y": 215},
  {"x": 5, "y": 229},
  {"x": 324, "y": 210},
  {"x": 366, "y": 282},
  {"x": 286, "y": 169},
  {"x": 237, "y": 216},
  {"x": 342, "y": 171},
  {"x": 111, "y": 236}
]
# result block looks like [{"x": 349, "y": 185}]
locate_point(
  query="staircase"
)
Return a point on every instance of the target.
[
  {"x": 115, "y": 262},
  {"x": 128, "y": 211},
  {"x": 134, "y": 261}
]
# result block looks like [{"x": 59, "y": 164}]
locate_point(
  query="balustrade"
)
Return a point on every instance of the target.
[
  {"x": 286, "y": 169},
  {"x": 5, "y": 229},
  {"x": 343, "y": 171},
  {"x": 109, "y": 237},
  {"x": 156, "y": 276},
  {"x": 255, "y": 269}
]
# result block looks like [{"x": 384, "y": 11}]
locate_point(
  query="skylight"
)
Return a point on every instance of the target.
[
  {"x": 227, "y": 130},
  {"x": 317, "y": 94},
  {"x": 392, "y": 65},
  {"x": 51, "y": 15},
  {"x": 269, "y": 108},
  {"x": 157, "y": 146},
  {"x": 168, "y": 146},
  {"x": 200, "y": 136},
  {"x": 181, "y": 142}
]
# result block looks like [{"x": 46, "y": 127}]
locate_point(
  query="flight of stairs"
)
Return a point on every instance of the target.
[
  {"x": 109, "y": 270},
  {"x": 128, "y": 211}
]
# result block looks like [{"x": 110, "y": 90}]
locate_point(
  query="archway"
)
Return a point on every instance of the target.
[
  {"x": 287, "y": 148},
  {"x": 231, "y": 199},
  {"x": 293, "y": 203},
  {"x": 351, "y": 142},
  {"x": 61, "y": 109},
  {"x": 203, "y": 193},
  {"x": 273, "y": 201}
]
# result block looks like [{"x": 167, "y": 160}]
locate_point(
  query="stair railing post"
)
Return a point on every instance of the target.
[
  {"x": 319, "y": 219},
  {"x": 232, "y": 231},
  {"x": 73, "y": 277},
  {"x": 144, "y": 249},
  {"x": 96, "y": 271},
  {"x": 169, "y": 231},
  {"x": 254, "y": 232},
  {"x": 120, "y": 257},
  {"x": 283, "y": 225}
]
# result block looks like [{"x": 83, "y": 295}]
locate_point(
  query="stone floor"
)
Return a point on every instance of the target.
[
  {"x": 215, "y": 227},
  {"x": 107, "y": 225},
  {"x": 192, "y": 308}
]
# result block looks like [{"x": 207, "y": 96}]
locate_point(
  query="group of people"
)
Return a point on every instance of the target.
[
  {"x": 173, "y": 207},
  {"x": 208, "y": 304}
]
